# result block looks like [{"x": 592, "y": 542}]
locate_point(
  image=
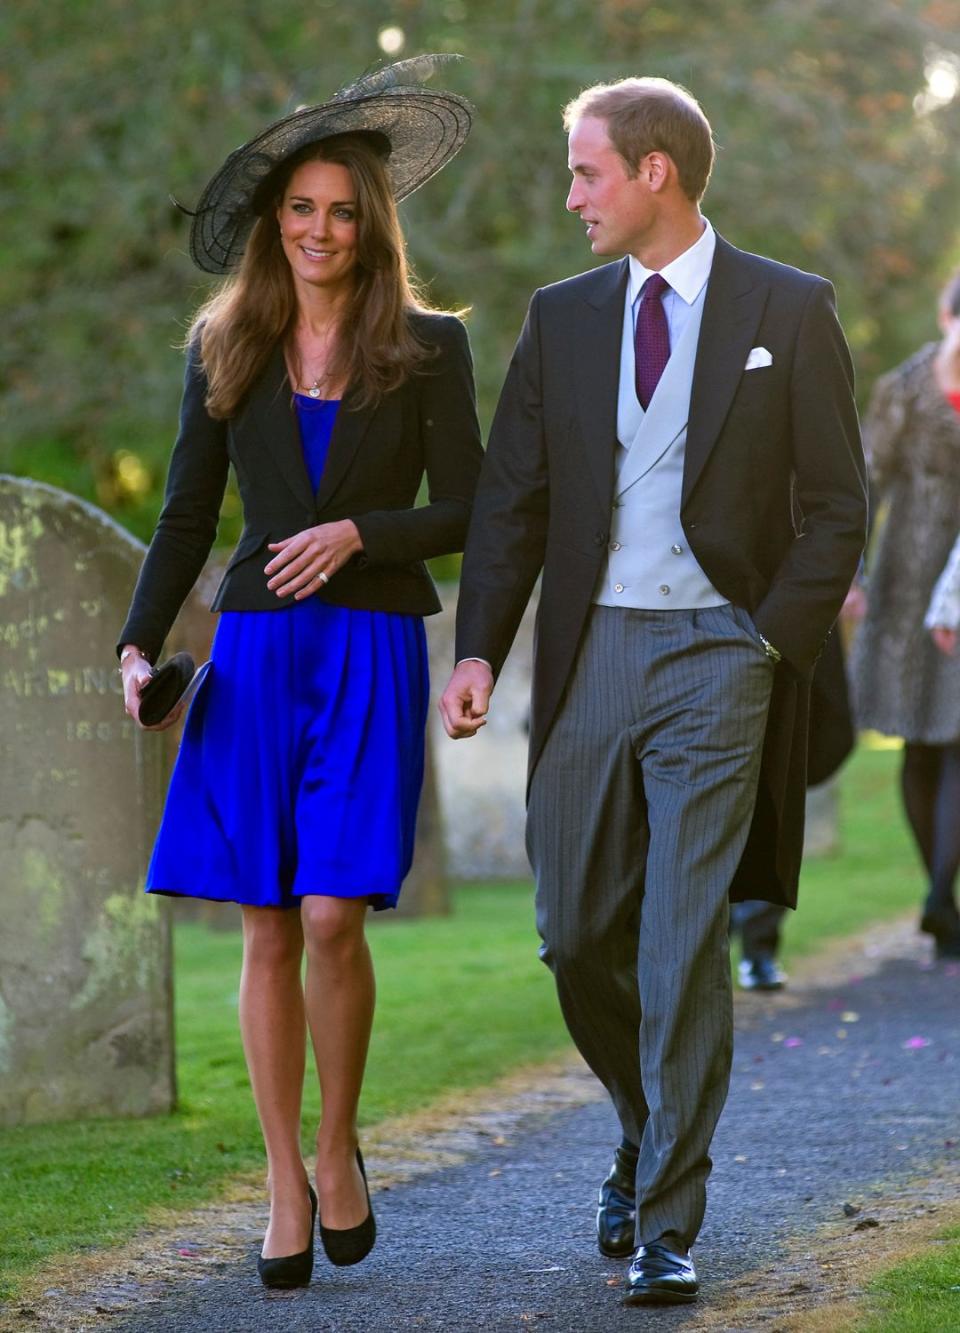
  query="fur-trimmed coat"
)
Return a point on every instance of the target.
[{"x": 903, "y": 685}]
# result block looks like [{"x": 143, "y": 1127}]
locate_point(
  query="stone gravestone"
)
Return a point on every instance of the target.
[
  {"x": 482, "y": 781},
  {"x": 85, "y": 981}
]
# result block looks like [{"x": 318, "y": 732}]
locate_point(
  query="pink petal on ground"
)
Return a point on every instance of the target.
[
  {"x": 793, "y": 1041},
  {"x": 916, "y": 1043}
]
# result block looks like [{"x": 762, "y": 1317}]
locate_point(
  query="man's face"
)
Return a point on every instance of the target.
[{"x": 617, "y": 211}]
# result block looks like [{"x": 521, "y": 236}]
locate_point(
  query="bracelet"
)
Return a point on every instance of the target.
[{"x": 128, "y": 652}]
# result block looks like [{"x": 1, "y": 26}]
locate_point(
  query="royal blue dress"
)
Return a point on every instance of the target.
[{"x": 302, "y": 755}]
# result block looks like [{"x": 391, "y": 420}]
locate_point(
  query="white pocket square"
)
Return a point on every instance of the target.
[{"x": 759, "y": 356}]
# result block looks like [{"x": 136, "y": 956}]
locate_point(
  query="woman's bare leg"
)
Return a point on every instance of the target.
[
  {"x": 273, "y": 1026},
  {"x": 340, "y": 995}
]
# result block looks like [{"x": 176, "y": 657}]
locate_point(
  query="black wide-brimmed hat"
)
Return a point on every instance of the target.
[{"x": 418, "y": 129}]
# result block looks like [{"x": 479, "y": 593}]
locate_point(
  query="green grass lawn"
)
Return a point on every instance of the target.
[
  {"x": 462, "y": 1000},
  {"x": 922, "y": 1295}
]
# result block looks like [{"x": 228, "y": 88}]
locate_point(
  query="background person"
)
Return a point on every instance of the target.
[
  {"x": 904, "y": 686},
  {"x": 329, "y": 385},
  {"x": 943, "y": 614}
]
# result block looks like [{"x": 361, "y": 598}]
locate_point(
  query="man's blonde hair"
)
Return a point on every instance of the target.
[{"x": 651, "y": 115}]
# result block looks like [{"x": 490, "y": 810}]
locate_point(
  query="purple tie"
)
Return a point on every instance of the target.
[{"x": 652, "y": 338}]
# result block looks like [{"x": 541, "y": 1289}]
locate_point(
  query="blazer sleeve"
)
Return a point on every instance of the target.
[
  {"x": 506, "y": 543},
  {"x": 452, "y": 455},
  {"x": 187, "y": 525},
  {"x": 808, "y": 588}
]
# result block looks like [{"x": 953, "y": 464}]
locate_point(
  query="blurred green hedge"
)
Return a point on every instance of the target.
[{"x": 837, "y": 128}]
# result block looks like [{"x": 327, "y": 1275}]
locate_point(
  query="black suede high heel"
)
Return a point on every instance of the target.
[
  {"x": 291, "y": 1270},
  {"x": 348, "y": 1245}
]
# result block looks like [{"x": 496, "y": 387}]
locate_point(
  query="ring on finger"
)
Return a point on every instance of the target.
[{"x": 322, "y": 578}]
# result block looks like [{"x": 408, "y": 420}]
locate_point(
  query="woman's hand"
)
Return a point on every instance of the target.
[
  {"x": 136, "y": 672},
  {"x": 946, "y": 363},
  {"x": 855, "y": 604},
  {"x": 309, "y": 559},
  {"x": 945, "y": 639}
]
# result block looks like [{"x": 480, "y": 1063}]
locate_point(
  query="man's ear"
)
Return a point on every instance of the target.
[{"x": 657, "y": 169}]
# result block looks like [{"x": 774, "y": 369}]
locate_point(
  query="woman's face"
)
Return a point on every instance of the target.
[{"x": 318, "y": 224}]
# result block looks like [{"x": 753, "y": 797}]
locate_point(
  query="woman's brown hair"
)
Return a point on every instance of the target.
[{"x": 376, "y": 349}]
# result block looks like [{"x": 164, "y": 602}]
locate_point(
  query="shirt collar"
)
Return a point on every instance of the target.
[{"x": 686, "y": 274}]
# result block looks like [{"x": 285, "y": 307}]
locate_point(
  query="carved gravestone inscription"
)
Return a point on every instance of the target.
[{"x": 85, "y": 985}]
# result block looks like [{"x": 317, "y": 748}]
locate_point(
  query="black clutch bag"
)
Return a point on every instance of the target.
[{"x": 178, "y": 678}]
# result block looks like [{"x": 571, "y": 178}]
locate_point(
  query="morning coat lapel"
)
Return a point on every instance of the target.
[
  {"x": 596, "y": 363},
  {"x": 732, "y": 311},
  {"x": 273, "y": 411}
]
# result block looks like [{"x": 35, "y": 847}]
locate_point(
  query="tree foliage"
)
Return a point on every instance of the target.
[{"x": 835, "y": 123}]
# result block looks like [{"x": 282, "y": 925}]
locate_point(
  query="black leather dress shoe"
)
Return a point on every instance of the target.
[
  {"x": 761, "y": 972},
  {"x": 942, "y": 921},
  {"x": 660, "y": 1275},
  {"x": 948, "y": 946},
  {"x": 617, "y": 1210}
]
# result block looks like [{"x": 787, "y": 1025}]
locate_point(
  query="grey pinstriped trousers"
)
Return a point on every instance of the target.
[{"x": 639, "y": 810}]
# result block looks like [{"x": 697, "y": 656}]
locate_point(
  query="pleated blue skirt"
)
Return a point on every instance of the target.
[{"x": 301, "y": 762}]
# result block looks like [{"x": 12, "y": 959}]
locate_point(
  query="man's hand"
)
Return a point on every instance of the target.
[{"x": 464, "y": 703}]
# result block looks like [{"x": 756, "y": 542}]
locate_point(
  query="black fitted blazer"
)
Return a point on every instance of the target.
[{"x": 377, "y": 459}]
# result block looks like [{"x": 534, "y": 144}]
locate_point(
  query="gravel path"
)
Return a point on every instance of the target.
[{"x": 839, "y": 1094}]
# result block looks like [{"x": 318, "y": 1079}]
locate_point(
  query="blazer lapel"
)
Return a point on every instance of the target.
[
  {"x": 732, "y": 311},
  {"x": 597, "y": 371},
  {"x": 276, "y": 420},
  {"x": 348, "y": 432}
]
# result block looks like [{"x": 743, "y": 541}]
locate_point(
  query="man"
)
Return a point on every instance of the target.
[{"x": 676, "y": 450}]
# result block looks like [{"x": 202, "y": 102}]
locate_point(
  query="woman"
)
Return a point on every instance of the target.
[
  {"x": 904, "y": 686},
  {"x": 331, "y": 389}
]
